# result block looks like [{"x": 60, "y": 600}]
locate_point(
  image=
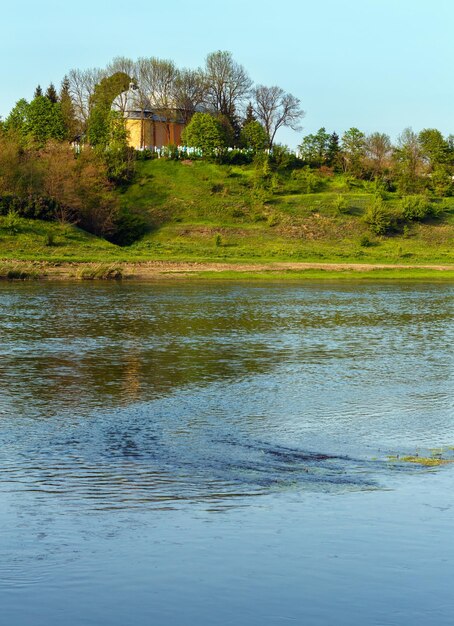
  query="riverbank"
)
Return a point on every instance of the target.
[{"x": 177, "y": 270}]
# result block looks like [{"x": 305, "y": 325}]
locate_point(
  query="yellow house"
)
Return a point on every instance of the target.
[{"x": 149, "y": 126}]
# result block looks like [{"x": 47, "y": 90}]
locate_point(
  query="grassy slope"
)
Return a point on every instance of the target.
[{"x": 190, "y": 205}]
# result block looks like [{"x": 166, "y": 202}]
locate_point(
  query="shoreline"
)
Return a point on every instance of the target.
[{"x": 193, "y": 270}]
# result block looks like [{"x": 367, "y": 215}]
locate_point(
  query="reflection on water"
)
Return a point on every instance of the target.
[
  {"x": 119, "y": 395},
  {"x": 131, "y": 414}
]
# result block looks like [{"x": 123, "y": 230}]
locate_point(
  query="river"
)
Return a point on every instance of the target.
[{"x": 226, "y": 453}]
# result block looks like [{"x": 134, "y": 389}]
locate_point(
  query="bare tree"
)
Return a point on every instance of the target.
[
  {"x": 275, "y": 108},
  {"x": 82, "y": 85},
  {"x": 190, "y": 92},
  {"x": 228, "y": 84},
  {"x": 157, "y": 78}
]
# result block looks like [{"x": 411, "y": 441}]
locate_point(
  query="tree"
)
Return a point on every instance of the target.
[
  {"x": 228, "y": 84},
  {"x": 408, "y": 162},
  {"x": 333, "y": 150},
  {"x": 156, "y": 87},
  {"x": 102, "y": 118},
  {"x": 314, "y": 149},
  {"x": 17, "y": 119},
  {"x": 67, "y": 110},
  {"x": 378, "y": 148},
  {"x": 434, "y": 148},
  {"x": 51, "y": 94},
  {"x": 275, "y": 108},
  {"x": 206, "y": 133},
  {"x": 189, "y": 92},
  {"x": 249, "y": 116},
  {"x": 254, "y": 137},
  {"x": 45, "y": 120},
  {"x": 38, "y": 92},
  {"x": 82, "y": 85},
  {"x": 353, "y": 151}
]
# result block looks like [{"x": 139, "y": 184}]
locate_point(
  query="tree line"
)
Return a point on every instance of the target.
[
  {"x": 222, "y": 109},
  {"x": 415, "y": 163}
]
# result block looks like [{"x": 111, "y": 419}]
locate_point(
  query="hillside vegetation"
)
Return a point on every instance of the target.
[{"x": 196, "y": 210}]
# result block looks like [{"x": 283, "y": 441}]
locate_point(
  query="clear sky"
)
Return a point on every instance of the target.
[{"x": 374, "y": 64}]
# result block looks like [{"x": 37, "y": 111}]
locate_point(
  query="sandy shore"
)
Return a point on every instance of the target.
[{"x": 155, "y": 270}]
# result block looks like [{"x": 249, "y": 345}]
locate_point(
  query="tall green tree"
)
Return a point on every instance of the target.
[
  {"x": 206, "y": 133},
  {"x": 434, "y": 147},
  {"x": 353, "y": 151},
  {"x": 38, "y": 92},
  {"x": 314, "y": 148},
  {"x": 253, "y": 136},
  {"x": 408, "y": 162},
  {"x": 51, "y": 94},
  {"x": 99, "y": 126},
  {"x": 72, "y": 127},
  {"x": 45, "y": 120}
]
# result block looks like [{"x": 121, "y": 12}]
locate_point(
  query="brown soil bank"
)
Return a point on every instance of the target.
[{"x": 154, "y": 270}]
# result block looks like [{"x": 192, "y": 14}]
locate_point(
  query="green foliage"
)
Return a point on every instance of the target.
[
  {"x": 282, "y": 158},
  {"x": 121, "y": 163},
  {"x": 378, "y": 218},
  {"x": 12, "y": 222},
  {"x": 353, "y": 151},
  {"x": 207, "y": 134},
  {"x": 45, "y": 120},
  {"x": 315, "y": 149},
  {"x": 341, "y": 204},
  {"x": 103, "y": 123},
  {"x": 434, "y": 148},
  {"x": 254, "y": 137},
  {"x": 70, "y": 121},
  {"x": 417, "y": 208},
  {"x": 441, "y": 183},
  {"x": 51, "y": 94},
  {"x": 308, "y": 182},
  {"x": 365, "y": 241},
  {"x": 37, "y": 121}
]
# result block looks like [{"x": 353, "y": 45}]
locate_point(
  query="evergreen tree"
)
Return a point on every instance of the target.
[
  {"x": 333, "y": 150},
  {"x": 249, "y": 117},
  {"x": 51, "y": 94},
  {"x": 67, "y": 110},
  {"x": 45, "y": 120},
  {"x": 38, "y": 92}
]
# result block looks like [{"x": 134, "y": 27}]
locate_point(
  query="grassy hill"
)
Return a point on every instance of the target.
[{"x": 206, "y": 212}]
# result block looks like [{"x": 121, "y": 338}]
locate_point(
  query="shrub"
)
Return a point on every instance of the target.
[
  {"x": 341, "y": 204},
  {"x": 128, "y": 228},
  {"x": 12, "y": 222},
  {"x": 308, "y": 182},
  {"x": 417, "y": 208},
  {"x": 365, "y": 242},
  {"x": 377, "y": 217}
]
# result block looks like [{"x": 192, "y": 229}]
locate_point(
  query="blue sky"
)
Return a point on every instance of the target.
[{"x": 378, "y": 65}]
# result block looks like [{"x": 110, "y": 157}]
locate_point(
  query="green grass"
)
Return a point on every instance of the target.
[{"x": 206, "y": 212}]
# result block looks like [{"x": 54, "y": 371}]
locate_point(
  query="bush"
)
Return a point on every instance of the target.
[
  {"x": 308, "y": 182},
  {"x": 341, "y": 204},
  {"x": 417, "y": 208},
  {"x": 377, "y": 217},
  {"x": 12, "y": 222},
  {"x": 128, "y": 228},
  {"x": 365, "y": 242}
]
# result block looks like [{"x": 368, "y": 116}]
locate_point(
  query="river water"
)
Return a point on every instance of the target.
[{"x": 221, "y": 453}]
